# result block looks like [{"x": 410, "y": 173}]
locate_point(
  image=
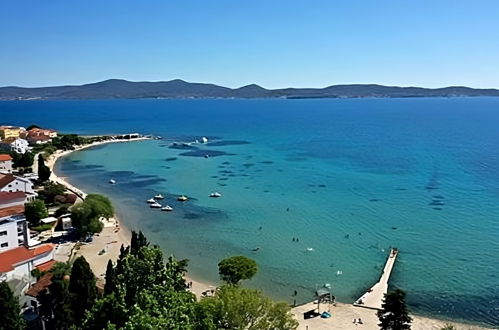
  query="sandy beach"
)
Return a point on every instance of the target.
[
  {"x": 106, "y": 245},
  {"x": 343, "y": 316}
]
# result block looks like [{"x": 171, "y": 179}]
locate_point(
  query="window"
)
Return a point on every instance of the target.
[
  {"x": 3, "y": 233},
  {"x": 4, "y": 245}
]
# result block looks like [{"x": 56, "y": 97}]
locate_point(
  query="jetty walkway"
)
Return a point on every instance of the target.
[{"x": 373, "y": 298}]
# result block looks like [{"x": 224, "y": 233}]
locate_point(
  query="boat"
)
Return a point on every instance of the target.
[
  {"x": 151, "y": 201},
  {"x": 155, "y": 205},
  {"x": 158, "y": 196},
  {"x": 215, "y": 194},
  {"x": 204, "y": 139},
  {"x": 112, "y": 181},
  {"x": 182, "y": 198},
  {"x": 167, "y": 208}
]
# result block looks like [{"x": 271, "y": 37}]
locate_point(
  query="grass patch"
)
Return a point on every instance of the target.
[{"x": 43, "y": 227}]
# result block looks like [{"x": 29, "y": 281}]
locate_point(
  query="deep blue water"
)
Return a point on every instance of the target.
[{"x": 349, "y": 178}]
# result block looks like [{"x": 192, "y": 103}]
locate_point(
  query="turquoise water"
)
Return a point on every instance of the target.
[{"x": 349, "y": 178}]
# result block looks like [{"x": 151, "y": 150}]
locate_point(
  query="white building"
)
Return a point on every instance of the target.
[
  {"x": 14, "y": 144},
  {"x": 13, "y": 226},
  {"x": 5, "y": 164},
  {"x": 16, "y": 266},
  {"x": 12, "y": 183},
  {"x": 13, "y": 232}
]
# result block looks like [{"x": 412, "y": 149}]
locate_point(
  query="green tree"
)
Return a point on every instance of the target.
[
  {"x": 234, "y": 269},
  {"x": 107, "y": 311},
  {"x": 50, "y": 190},
  {"x": 30, "y": 127},
  {"x": 234, "y": 307},
  {"x": 85, "y": 216},
  {"x": 394, "y": 315},
  {"x": 138, "y": 241},
  {"x": 160, "y": 307},
  {"x": 34, "y": 211},
  {"x": 43, "y": 170},
  {"x": 10, "y": 315},
  {"x": 110, "y": 285},
  {"x": 55, "y": 306},
  {"x": 81, "y": 288},
  {"x": 23, "y": 160}
]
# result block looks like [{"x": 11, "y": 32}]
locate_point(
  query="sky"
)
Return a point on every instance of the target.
[{"x": 275, "y": 44}]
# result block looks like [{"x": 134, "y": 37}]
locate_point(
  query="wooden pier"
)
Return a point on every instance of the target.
[{"x": 373, "y": 298}]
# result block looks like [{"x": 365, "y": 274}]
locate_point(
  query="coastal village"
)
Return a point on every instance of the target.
[
  {"x": 28, "y": 250},
  {"x": 37, "y": 232}
]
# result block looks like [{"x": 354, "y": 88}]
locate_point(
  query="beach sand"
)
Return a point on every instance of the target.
[
  {"x": 115, "y": 234},
  {"x": 344, "y": 314}
]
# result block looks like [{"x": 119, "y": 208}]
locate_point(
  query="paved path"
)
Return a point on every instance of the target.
[{"x": 373, "y": 298}]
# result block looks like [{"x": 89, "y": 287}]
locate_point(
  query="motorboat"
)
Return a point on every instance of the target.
[
  {"x": 151, "y": 201},
  {"x": 112, "y": 181},
  {"x": 155, "y": 205},
  {"x": 167, "y": 208},
  {"x": 215, "y": 194},
  {"x": 182, "y": 198},
  {"x": 158, "y": 196}
]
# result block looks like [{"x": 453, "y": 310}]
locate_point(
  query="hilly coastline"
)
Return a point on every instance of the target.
[{"x": 123, "y": 89}]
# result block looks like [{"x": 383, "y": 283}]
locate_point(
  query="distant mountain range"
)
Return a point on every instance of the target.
[{"x": 123, "y": 89}]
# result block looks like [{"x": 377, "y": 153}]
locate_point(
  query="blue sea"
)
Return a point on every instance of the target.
[{"x": 348, "y": 178}]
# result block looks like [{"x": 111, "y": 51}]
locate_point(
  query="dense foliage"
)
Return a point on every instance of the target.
[
  {"x": 10, "y": 318},
  {"x": 22, "y": 160},
  {"x": 235, "y": 269},
  {"x": 34, "y": 211},
  {"x": 143, "y": 291},
  {"x": 50, "y": 190},
  {"x": 234, "y": 307},
  {"x": 85, "y": 216},
  {"x": 66, "y": 141},
  {"x": 394, "y": 315},
  {"x": 43, "y": 170}
]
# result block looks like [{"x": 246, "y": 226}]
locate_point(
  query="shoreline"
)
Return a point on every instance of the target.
[{"x": 115, "y": 234}]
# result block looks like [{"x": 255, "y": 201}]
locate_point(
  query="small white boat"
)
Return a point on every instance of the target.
[
  {"x": 182, "y": 198},
  {"x": 158, "y": 196},
  {"x": 167, "y": 208},
  {"x": 204, "y": 139},
  {"x": 112, "y": 181},
  {"x": 215, "y": 194},
  {"x": 151, "y": 201},
  {"x": 155, "y": 205}
]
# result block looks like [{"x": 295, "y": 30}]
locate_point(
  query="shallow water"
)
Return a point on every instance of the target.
[{"x": 348, "y": 178}]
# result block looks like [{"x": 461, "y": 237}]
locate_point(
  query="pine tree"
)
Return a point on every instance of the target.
[
  {"x": 43, "y": 171},
  {"x": 394, "y": 315},
  {"x": 10, "y": 312},
  {"x": 82, "y": 288},
  {"x": 110, "y": 285},
  {"x": 133, "y": 243}
]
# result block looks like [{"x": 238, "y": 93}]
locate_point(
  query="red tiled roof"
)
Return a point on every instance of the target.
[
  {"x": 10, "y": 258},
  {"x": 38, "y": 138},
  {"x": 5, "y": 179},
  {"x": 12, "y": 210},
  {"x": 46, "y": 266},
  {"x": 6, "y": 196},
  {"x": 5, "y": 157},
  {"x": 42, "y": 284}
]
